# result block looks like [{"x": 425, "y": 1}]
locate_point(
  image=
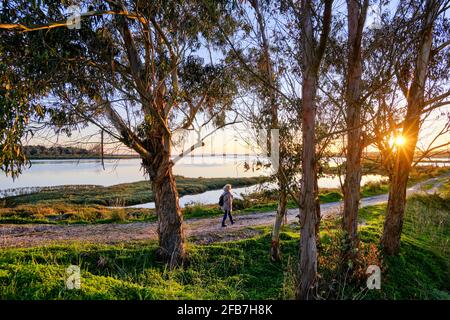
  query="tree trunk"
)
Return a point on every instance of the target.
[
  {"x": 393, "y": 223},
  {"x": 275, "y": 252},
  {"x": 352, "y": 183},
  {"x": 317, "y": 202},
  {"x": 170, "y": 219},
  {"x": 308, "y": 214},
  {"x": 309, "y": 207}
]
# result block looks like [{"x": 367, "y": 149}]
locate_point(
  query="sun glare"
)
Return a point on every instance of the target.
[{"x": 400, "y": 141}]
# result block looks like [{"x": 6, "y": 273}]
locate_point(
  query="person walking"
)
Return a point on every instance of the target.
[{"x": 227, "y": 204}]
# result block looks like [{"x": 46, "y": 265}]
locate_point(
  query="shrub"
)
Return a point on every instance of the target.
[{"x": 119, "y": 215}]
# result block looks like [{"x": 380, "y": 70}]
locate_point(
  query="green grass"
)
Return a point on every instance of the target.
[
  {"x": 240, "y": 269},
  {"x": 330, "y": 196},
  {"x": 221, "y": 271},
  {"x": 375, "y": 188},
  {"x": 422, "y": 269}
]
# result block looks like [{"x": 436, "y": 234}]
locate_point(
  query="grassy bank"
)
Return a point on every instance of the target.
[
  {"x": 422, "y": 269},
  {"x": 241, "y": 269},
  {"x": 81, "y": 204},
  {"x": 125, "y": 194},
  {"x": 63, "y": 211}
]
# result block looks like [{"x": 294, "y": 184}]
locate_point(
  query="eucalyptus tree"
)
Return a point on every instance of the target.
[
  {"x": 272, "y": 79},
  {"x": 269, "y": 81},
  {"x": 314, "y": 24},
  {"x": 414, "y": 85},
  {"x": 270, "y": 94},
  {"x": 422, "y": 76},
  {"x": 361, "y": 63},
  {"x": 135, "y": 69},
  {"x": 356, "y": 17}
]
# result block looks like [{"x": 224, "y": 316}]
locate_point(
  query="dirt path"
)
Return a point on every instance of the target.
[{"x": 204, "y": 230}]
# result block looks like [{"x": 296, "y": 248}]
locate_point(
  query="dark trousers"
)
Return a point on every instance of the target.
[{"x": 227, "y": 213}]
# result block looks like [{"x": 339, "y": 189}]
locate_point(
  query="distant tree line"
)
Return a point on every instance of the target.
[{"x": 39, "y": 151}]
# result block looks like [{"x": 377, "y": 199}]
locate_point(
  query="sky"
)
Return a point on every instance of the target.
[{"x": 230, "y": 139}]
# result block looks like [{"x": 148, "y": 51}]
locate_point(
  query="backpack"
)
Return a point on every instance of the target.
[{"x": 221, "y": 200}]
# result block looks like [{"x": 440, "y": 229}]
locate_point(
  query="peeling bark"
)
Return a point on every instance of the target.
[
  {"x": 170, "y": 218},
  {"x": 308, "y": 214}
]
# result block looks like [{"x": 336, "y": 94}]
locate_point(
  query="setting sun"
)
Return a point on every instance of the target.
[{"x": 400, "y": 141}]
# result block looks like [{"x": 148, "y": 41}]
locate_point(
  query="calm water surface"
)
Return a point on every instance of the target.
[{"x": 90, "y": 171}]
